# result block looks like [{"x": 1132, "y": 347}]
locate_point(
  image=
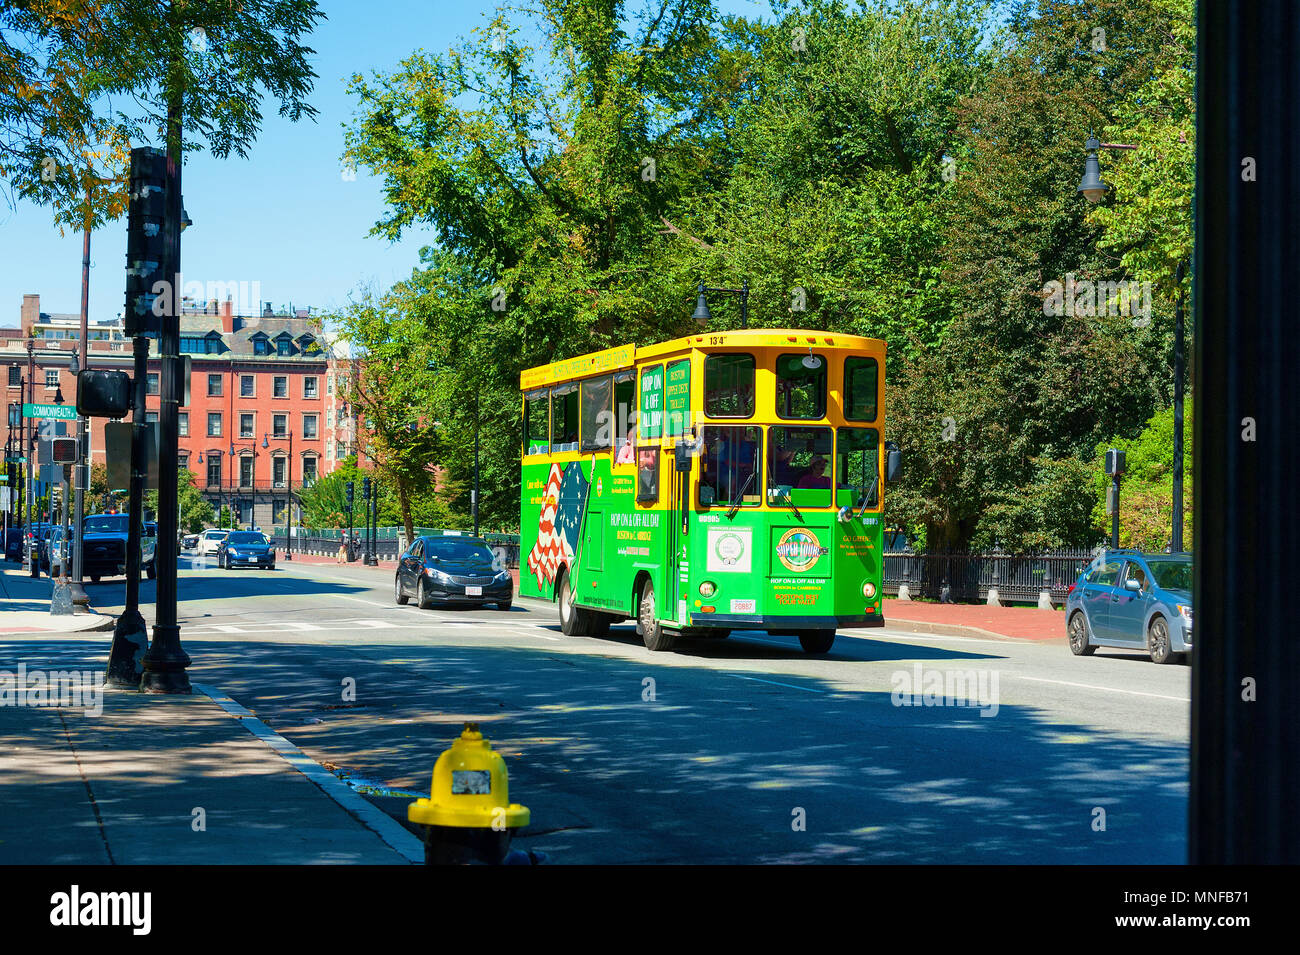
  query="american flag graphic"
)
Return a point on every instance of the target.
[{"x": 557, "y": 526}]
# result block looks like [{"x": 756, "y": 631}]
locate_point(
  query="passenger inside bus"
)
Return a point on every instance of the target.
[
  {"x": 626, "y": 452},
  {"x": 816, "y": 476}
]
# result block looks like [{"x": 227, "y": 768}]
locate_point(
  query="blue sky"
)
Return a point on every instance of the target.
[{"x": 285, "y": 217}]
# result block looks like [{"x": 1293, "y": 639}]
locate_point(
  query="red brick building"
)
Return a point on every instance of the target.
[{"x": 267, "y": 412}]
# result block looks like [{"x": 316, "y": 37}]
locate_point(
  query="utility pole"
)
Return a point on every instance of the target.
[
  {"x": 34, "y": 564},
  {"x": 1176, "y": 541}
]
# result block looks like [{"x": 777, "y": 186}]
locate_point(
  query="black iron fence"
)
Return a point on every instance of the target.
[{"x": 970, "y": 577}]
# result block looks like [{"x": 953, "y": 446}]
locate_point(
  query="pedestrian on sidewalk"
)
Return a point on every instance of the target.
[{"x": 342, "y": 554}]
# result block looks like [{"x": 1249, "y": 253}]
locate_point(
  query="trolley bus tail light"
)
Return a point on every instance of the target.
[
  {"x": 868, "y": 590},
  {"x": 708, "y": 589},
  {"x": 708, "y": 609}
]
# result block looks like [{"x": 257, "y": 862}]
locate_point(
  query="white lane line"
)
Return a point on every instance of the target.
[
  {"x": 375, "y": 624},
  {"x": 1106, "y": 689},
  {"x": 806, "y": 689},
  {"x": 376, "y": 820},
  {"x": 227, "y": 628},
  {"x": 362, "y": 600}
]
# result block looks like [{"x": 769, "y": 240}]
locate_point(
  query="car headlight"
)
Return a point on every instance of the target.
[
  {"x": 503, "y": 575},
  {"x": 1186, "y": 612}
]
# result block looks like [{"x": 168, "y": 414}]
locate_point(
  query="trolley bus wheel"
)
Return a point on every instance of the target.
[
  {"x": 574, "y": 621},
  {"x": 816, "y": 641},
  {"x": 654, "y": 636}
]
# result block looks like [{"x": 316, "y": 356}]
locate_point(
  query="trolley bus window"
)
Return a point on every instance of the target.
[
  {"x": 801, "y": 386},
  {"x": 798, "y": 466},
  {"x": 537, "y": 424},
  {"x": 597, "y": 414},
  {"x": 861, "y": 379},
  {"x": 856, "y": 469},
  {"x": 625, "y": 431},
  {"x": 564, "y": 418},
  {"x": 729, "y": 466},
  {"x": 729, "y": 386},
  {"x": 647, "y": 475}
]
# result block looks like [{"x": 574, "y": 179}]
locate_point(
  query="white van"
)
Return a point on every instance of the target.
[{"x": 210, "y": 541}]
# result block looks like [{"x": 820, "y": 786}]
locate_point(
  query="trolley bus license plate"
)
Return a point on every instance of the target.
[
  {"x": 473, "y": 591},
  {"x": 744, "y": 606}
]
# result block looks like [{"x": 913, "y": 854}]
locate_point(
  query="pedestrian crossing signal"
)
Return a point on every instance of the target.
[{"x": 63, "y": 451}]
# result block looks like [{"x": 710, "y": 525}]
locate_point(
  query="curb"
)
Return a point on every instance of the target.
[
  {"x": 957, "y": 630},
  {"x": 391, "y": 832}
]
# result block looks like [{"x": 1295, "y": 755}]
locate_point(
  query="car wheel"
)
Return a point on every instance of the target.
[
  {"x": 652, "y": 634},
  {"x": 422, "y": 597},
  {"x": 400, "y": 597},
  {"x": 575, "y": 621},
  {"x": 816, "y": 641},
  {"x": 1158, "y": 641},
  {"x": 504, "y": 604},
  {"x": 1081, "y": 644}
]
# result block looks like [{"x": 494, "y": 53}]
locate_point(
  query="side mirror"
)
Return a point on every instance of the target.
[
  {"x": 1133, "y": 585},
  {"x": 893, "y": 462}
]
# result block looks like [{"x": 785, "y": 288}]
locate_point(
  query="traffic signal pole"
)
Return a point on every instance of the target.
[
  {"x": 130, "y": 635},
  {"x": 165, "y": 663}
]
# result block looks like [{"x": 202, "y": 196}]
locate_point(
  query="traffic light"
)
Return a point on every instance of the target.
[
  {"x": 63, "y": 451},
  {"x": 365, "y": 488},
  {"x": 103, "y": 394},
  {"x": 348, "y": 494},
  {"x": 149, "y": 244}
]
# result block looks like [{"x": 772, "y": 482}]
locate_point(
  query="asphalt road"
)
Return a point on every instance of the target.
[{"x": 735, "y": 751}]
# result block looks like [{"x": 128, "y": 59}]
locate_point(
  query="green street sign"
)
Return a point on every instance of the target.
[
  {"x": 58, "y": 412},
  {"x": 15, "y": 460}
]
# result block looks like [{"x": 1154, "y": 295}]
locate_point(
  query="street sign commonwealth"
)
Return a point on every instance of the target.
[{"x": 60, "y": 412}]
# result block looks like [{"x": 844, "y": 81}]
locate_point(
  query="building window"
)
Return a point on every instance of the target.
[
  {"x": 281, "y": 387},
  {"x": 246, "y": 386},
  {"x": 150, "y": 417},
  {"x": 309, "y": 470},
  {"x": 214, "y": 386},
  {"x": 341, "y": 450},
  {"x": 329, "y": 384},
  {"x": 214, "y": 470},
  {"x": 151, "y": 383},
  {"x": 214, "y": 424},
  {"x": 309, "y": 389},
  {"x": 309, "y": 426},
  {"x": 277, "y": 512},
  {"x": 283, "y": 347},
  {"x": 15, "y": 376},
  {"x": 193, "y": 346},
  {"x": 261, "y": 346},
  {"x": 277, "y": 470},
  {"x": 279, "y": 426},
  {"x": 245, "y": 511},
  {"x": 183, "y": 460},
  {"x": 51, "y": 378},
  {"x": 246, "y": 471},
  {"x": 246, "y": 424},
  {"x": 183, "y": 423}
]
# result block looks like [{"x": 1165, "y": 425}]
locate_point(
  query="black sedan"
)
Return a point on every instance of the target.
[
  {"x": 461, "y": 569},
  {"x": 245, "y": 549}
]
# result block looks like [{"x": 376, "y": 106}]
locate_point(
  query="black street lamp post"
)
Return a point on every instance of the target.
[
  {"x": 704, "y": 316},
  {"x": 1094, "y": 189}
]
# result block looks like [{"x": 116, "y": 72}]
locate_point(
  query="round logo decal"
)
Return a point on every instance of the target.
[
  {"x": 729, "y": 548},
  {"x": 799, "y": 549}
]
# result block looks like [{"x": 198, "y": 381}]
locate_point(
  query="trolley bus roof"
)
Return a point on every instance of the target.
[{"x": 626, "y": 356}]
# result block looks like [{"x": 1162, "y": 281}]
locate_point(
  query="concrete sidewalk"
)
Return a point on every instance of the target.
[
  {"x": 121, "y": 777},
  {"x": 25, "y": 606}
]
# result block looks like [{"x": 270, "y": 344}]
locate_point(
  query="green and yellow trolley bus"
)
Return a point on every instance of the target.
[{"x": 717, "y": 482}]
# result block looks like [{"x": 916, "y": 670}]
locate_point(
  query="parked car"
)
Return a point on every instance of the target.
[
  {"x": 245, "y": 549},
  {"x": 14, "y": 543},
  {"x": 1131, "y": 600},
  {"x": 104, "y": 539},
  {"x": 32, "y": 539},
  {"x": 52, "y": 547},
  {"x": 189, "y": 542},
  {"x": 451, "y": 568},
  {"x": 43, "y": 541},
  {"x": 210, "y": 540}
]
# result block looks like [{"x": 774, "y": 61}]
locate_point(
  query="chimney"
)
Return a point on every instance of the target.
[
  {"x": 228, "y": 315},
  {"x": 212, "y": 307},
  {"x": 266, "y": 312},
  {"x": 31, "y": 313}
]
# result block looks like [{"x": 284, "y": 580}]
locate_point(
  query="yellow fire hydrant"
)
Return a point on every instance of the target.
[{"x": 468, "y": 816}]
